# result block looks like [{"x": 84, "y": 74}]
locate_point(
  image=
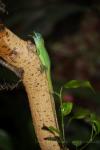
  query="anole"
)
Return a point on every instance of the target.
[
  {"x": 44, "y": 57},
  {"x": 46, "y": 64}
]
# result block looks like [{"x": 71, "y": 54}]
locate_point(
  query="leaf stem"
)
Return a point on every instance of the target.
[{"x": 62, "y": 117}]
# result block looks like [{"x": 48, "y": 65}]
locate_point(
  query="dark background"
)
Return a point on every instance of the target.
[{"x": 71, "y": 29}]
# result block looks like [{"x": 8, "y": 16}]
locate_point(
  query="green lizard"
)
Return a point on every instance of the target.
[
  {"x": 44, "y": 57},
  {"x": 45, "y": 60}
]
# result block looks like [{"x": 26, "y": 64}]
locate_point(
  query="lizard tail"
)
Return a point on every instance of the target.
[{"x": 49, "y": 81}]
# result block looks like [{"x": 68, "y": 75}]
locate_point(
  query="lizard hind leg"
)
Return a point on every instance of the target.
[{"x": 43, "y": 68}]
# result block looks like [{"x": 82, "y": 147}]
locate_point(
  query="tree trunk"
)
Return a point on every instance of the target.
[{"x": 22, "y": 55}]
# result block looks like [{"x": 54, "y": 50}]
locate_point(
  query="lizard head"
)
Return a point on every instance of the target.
[{"x": 38, "y": 39}]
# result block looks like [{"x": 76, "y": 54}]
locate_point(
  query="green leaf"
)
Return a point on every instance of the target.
[
  {"x": 77, "y": 84},
  {"x": 81, "y": 113},
  {"x": 56, "y": 138},
  {"x": 77, "y": 143},
  {"x": 97, "y": 124},
  {"x": 66, "y": 108},
  {"x": 94, "y": 127},
  {"x": 96, "y": 121},
  {"x": 54, "y": 129},
  {"x": 51, "y": 129}
]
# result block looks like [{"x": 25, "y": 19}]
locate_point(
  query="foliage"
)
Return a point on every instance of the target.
[{"x": 80, "y": 114}]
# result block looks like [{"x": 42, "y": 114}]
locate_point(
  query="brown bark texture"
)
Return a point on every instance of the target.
[{"x": 22, "y": 56}]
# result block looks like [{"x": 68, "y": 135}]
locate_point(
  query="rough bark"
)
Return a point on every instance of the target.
[{"x": 22, "y": 55}]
